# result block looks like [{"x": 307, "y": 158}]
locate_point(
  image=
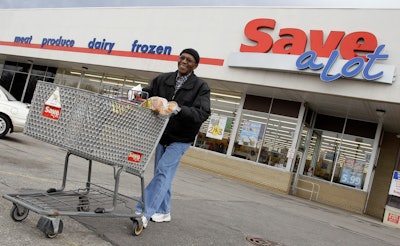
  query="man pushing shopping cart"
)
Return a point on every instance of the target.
[
  {"x": 192, "y": 96},
  {"x": 100, "y": 128}
]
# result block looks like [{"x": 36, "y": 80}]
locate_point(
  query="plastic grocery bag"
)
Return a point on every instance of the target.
[
  {"x": 161, "y": 105},
  {"x": 135, "y": 93}
]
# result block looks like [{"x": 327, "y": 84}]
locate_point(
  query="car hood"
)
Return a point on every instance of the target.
[{"x": 15, "y": 108}]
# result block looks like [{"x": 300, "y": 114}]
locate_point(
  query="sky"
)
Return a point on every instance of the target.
[{"x": 11, "y": 4}]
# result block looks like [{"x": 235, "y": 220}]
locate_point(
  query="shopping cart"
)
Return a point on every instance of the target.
[{"x": 115, "y": 132}]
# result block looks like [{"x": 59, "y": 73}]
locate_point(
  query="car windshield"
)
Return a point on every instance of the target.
[{"x": 8, "y": 95}]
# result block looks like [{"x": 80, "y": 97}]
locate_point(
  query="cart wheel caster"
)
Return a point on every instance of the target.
[
  {"x": 51, "y": 190},
  {"x": 137, "y": 227},
  {"x": 51, "y": 235},
  {"x": 19, "y": 213},
  {"x": 51, "y": 226},
  {"x": 83, "y": 205},
  {"x": 100, "y": 210}
]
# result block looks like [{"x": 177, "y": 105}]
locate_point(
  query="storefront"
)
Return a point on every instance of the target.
[{"x": 304, "y": 101}]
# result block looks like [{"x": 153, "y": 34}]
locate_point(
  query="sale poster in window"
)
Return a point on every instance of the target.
[
  {"x": 352, "y": 172},
  {"x": 216, "y": 127},
  {"x": 249, "y": 134},
  {"x": 394, "y": 189}
]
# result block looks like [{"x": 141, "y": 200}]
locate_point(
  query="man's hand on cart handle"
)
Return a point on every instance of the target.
[{"x": 176, "y": 109}]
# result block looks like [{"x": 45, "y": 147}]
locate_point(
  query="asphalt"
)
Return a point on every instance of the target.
[{"x": 207, "y": 209}]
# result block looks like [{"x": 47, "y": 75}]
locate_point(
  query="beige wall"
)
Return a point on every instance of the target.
[
  {"x": 237, "y": 169},
  {"x": 274, "y": 179},
  {"x": 339, "y": 196},
  {"x": 383, "y": 173}
]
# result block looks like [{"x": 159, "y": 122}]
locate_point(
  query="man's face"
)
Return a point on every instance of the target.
[{"x": 186, "y": 64}]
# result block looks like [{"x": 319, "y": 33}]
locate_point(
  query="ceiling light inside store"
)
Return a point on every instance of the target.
[
  {"x": 93, "y": 75},
  {"x": 112, "y": 83},
  {"x": 224, "y": 101},
  {"x": 114, "y": 78},
  {"x": 141, "y": 82},
  {"x": 225, "y": 95},
  {"x": 255, "y": 116},
  {"x": 221, "y": 110}
]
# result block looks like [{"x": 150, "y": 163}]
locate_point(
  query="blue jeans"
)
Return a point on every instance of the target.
[{"x": 158, "y": 191}]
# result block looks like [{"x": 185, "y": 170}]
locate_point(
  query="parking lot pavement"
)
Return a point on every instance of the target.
[
  {"x": 206, "y": 209},
  {"x": 29, "y": 164}
]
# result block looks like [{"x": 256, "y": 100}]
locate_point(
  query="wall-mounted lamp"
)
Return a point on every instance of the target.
[{"x": 380, "y": 112}]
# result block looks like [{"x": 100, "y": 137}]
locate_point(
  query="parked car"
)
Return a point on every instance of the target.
[{"x": 13, "y": 113}]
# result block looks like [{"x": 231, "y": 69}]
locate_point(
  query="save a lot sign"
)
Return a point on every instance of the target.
[{"x": 354, "y": 55}]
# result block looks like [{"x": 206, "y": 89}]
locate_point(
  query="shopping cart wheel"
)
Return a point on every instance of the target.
[
  {"x": 51, "y": 235},
  {"x": 83, "y": 205},
  {"x": 19, "y": 213},
  {"x": 51, "y": 190},
  {"x": 51, "y": 226},
  {"x": 137, "y": 227}
]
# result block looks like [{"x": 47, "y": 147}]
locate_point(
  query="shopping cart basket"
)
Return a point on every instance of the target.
[{"x": 98, "y": 128}]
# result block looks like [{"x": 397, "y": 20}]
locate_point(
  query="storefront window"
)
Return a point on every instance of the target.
[
  {"x": 15, "y": 79},
  {"x": 215, "y": 133},
  {"x": 278, "y": 139},
  {"x": 341, "y": 156},
  {"x": 6, "y": 79},
  {"x": 265, "y": 138},
  {"x": 67, "y": 78},
  {"x": 250, "y": 135},
  {"x": 266, "y": 130},
  {"x": 107, "y": 84}
]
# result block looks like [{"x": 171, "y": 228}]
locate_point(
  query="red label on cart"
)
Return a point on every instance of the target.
[
  {"x": 51, "y": 112},
  {"x": 134, "y": 156}
]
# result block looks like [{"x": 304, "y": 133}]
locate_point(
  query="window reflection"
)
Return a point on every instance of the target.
[
  {"x": 14, "y": 79},
  {"x": 278, "y": 139},
  {"x": 265, "y": 138},
  {"x": 215, "y": 133},
  {"x": 250, "y": 135},
  {"x": 339, "y": 158}
]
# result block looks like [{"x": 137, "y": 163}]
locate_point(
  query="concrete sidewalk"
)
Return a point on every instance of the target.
[{"x": 206, "y": 209}]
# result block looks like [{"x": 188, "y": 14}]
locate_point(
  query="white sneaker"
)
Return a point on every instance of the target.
[
  {"x": 157, "y": 217},
  {"x": 144, "y": 221}
]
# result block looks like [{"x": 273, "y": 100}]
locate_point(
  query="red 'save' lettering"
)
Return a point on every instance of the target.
[
  {"x": 51, "y": 112},
  {"x": 293, "y": 41},
  {"x": 134, "y": 156}
]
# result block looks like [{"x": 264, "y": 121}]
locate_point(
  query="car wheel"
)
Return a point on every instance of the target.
[{"x": 4, "y": 125}]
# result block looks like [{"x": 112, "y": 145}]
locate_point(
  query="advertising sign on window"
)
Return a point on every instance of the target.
[
  {"x": 352, "y": 172},
  {"x": 249, "y": 133},
  {"x": 395, "y": 184},
  {"x": 216, "y": 127}
]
